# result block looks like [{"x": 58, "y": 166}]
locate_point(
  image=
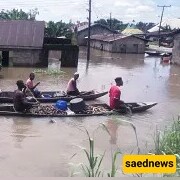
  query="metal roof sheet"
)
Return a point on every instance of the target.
[{"x": 21, "y": 34}]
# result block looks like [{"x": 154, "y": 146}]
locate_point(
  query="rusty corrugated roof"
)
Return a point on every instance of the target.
[
  {"x": 113, "y": 37},
  {"x": 21, "y": 34},
  {"x": 108, "y": 37}
]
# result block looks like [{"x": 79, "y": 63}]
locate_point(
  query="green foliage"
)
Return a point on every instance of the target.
[
  {"x": 168, "y": 143},
  {"x": 16, "y": 14},
  {"x": 114, "y": 24},
  {"x": 93, "y": 169},
  {"x": 144, "y": 26},
  {"x": 57, "y": 29},
  {"x": 119, "y": 25},
  {"x": 114, "y": 168},
  {"x": 49, "y": 71}
]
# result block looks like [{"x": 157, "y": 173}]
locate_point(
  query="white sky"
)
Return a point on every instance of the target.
[{"x": 76, "y": 10}]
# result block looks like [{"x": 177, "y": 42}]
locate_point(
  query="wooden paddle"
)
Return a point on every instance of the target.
[
  {"x": 32, "y": 95},
  {"x": 128, "y": 109}
]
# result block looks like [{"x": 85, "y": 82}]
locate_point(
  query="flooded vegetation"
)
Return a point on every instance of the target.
[{"x": 35, "y": 147}]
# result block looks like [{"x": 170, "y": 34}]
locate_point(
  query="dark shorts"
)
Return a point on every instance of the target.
[
  {"x": 23, "y": 108},
  {"x": 36, "y": 93},
  {"x": 73, "y": 93}
]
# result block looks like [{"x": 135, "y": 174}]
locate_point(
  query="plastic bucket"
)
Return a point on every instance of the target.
[{"x": 62, "y": 105}]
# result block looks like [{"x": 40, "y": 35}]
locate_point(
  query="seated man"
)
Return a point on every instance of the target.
[
  {"x": 72, "y": 87},
  {"x": 115, "y": 93},
  {"x": 20, "y": 102},
  {"x": 29, "y": 84}
]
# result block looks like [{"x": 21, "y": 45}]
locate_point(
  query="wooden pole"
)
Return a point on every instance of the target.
[
  {"x": 89, "y": 32},
  {"x": 161, "y": 21},
  {"x": 110, "y": 21}
]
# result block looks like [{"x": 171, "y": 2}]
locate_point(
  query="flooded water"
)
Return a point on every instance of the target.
[{"x": 34, "y": 147}]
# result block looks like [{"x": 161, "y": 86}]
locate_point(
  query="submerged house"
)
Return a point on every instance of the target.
[
  {"x": 176, "y": 48},
  {"x": 21, "y": 42},
  {"x": 119, "y": 43},
  {"x": 82, "y": 32}
]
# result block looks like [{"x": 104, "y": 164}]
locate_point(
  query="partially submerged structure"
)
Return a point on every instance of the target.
[
  {"x": 176, "y": 48},
  {"x": 95, "y": 29},
  {"x": 119, "y": 43},
  {"x": 22, "y": 43},
  {"x": 166, "y": 34}
]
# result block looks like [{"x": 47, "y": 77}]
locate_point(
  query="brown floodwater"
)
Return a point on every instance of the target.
[{"x": 34, "y": 147}]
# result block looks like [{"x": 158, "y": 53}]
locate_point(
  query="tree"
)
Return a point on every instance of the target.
[
  {"x": 58, "y": 29},
  {"x": 145, "y": 26},
  {"x": 16, "y": 14},
  {"x": 113, "y": 24}
]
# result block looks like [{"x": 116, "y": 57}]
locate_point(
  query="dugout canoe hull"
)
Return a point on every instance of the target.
[
  {"x": 8, "y": 110},
  {"x": 7, "y": 96}
]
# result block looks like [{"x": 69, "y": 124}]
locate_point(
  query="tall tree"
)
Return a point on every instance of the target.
[
  {"x": 56, "y": 29},
  {"x": 114, "y": 23},
  {"x": 145, "y": 26},
  {"x": 16, "y": 14}
]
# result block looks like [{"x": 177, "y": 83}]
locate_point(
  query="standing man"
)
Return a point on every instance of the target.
[
  {"x": 30, "y": 85},
  {"x": 72, "y": 86},
  {"x": 20, "y": 102},
  {"x": 115, "y": 94}
]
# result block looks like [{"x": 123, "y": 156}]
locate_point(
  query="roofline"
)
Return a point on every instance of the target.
[
  {"x": 10, "y": 20},
  {"x": 96, "y": 24},
  {"x": 21, "y": 47},
  {"x": 115, "y": 39}
]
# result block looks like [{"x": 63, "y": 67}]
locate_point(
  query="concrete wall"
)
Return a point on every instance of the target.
[
  {"x": 69, "y": 54},
  {"x": 94, "y": 30},
  {"x": 27, "y": 57},
  {"x": 127, "y": 45},
  {"x": 176, "y": 50},
  {"x": 105, "y": 46}
]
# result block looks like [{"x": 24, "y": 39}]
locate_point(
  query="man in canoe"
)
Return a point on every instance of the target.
[
  {"x": 21, "y": 104},
  {"x": 72, "y": 86},
  {"x": 31, "y": 86},
  {"x": 115, "y": 94}
]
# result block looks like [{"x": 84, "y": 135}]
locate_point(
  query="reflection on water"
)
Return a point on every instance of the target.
[
  {"x": 112, "y": 126},
  {"x": 31, "y": 146},
  {"x": 21, "y": 129}
]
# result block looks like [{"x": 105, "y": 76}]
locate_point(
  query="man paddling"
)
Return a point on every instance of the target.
[
  {"x": 31, "y": 86},
  {"x": 21, "y": 104},
  {"x": 72, "y": 86}
]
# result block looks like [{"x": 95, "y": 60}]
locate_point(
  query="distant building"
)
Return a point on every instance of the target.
[
  {"x": 131, "y": 29},
  {"x": 21, "y": 42},
  {"x": 176, "y": 48},
  {"x": 167, "y": 23},
  {"x": 119, "y": 43},
  {"x": 95, "y": 29}
]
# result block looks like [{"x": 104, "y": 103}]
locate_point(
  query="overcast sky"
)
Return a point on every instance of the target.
[{"x": 76, "y": 10}]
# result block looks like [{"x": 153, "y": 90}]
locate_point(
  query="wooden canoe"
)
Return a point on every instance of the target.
[
  {"x": 153, "y": 53},
  {"x": 137, "y": 107},
  {"x": 8, "y": 110},
  {"x": 53, "y": 96}
]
